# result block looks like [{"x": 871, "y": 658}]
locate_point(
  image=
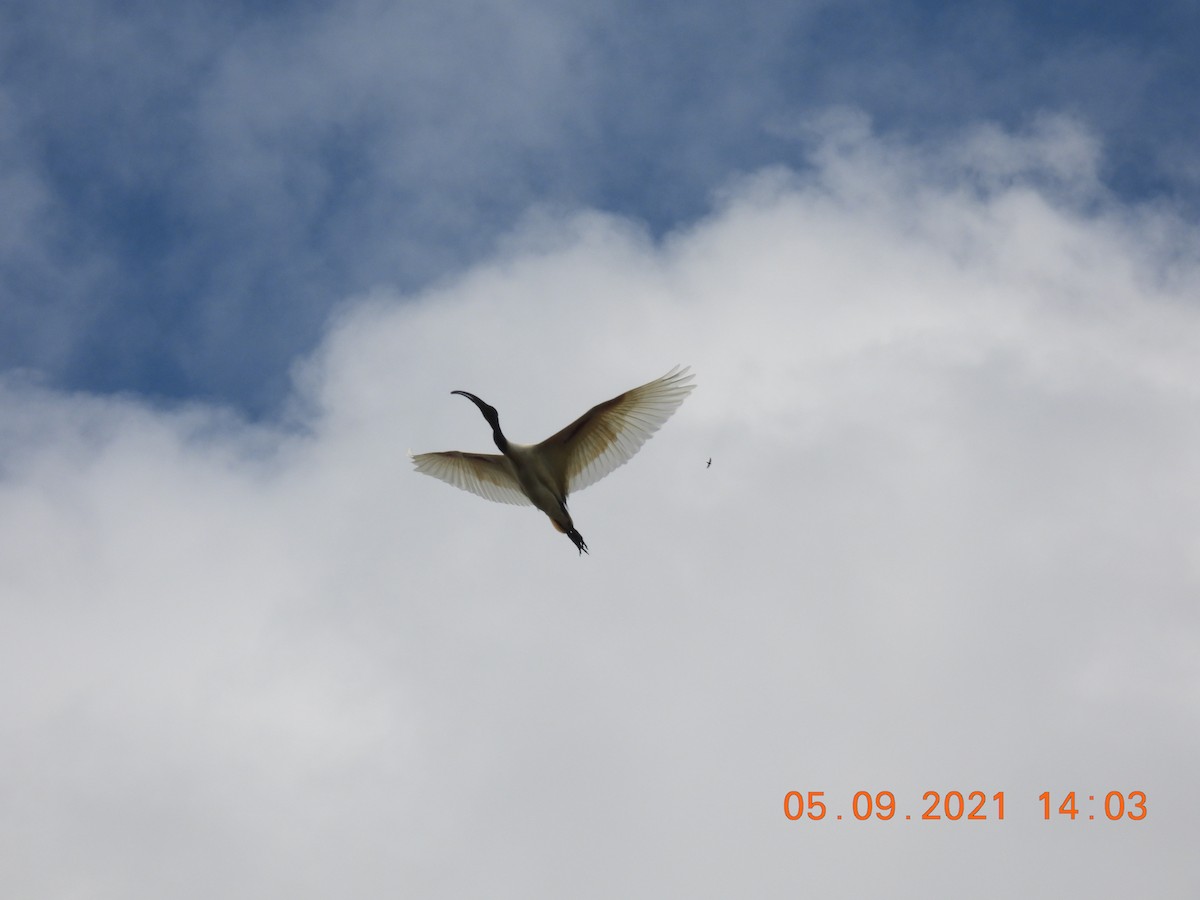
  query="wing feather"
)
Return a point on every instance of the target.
[
  {"x": 610, "y": 433},
  {"x": 489, "y": 475}
]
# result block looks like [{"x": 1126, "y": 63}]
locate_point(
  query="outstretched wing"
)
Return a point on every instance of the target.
[
  {"x": 610, "y": 433},
  {"x": 487, "y": 474}
]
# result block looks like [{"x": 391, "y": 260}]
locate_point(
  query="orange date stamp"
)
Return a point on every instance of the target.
[{"x": 965, "y": 806}]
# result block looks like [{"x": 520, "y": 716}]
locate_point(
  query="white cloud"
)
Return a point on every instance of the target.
[{"x": 948, "y": 541}]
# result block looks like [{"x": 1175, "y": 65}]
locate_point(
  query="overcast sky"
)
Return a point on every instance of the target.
[{"x": 936, "y": 270}]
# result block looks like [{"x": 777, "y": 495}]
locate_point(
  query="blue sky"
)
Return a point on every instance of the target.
[
  {"x": 190, "y": 193},
  {"x": 936, "y": 271}
]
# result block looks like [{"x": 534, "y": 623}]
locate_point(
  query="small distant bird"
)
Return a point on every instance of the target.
[
  {"x": 602, "y": 439},
  {"x": 709, "y": 466}
]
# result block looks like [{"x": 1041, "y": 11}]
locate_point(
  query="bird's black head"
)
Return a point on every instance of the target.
[{"x": 489, "y": 413}]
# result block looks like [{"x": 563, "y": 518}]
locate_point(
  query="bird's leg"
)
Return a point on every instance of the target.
[{"x": 562, "y": 522}]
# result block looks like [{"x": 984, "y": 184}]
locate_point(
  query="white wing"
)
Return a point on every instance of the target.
[
  {"x": 609, "y": 434},
  {"x": 487, "y": 474}
]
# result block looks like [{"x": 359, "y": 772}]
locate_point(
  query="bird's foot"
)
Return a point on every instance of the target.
[{"x": 578, "y": 539}]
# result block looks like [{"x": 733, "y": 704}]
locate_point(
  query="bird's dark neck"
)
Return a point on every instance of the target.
[{"x": 497, "y": 435}]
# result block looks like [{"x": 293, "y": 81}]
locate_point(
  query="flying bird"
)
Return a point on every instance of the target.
[
  {"x": 709, "y": 466},
  {"x": 602, "y": 439}
]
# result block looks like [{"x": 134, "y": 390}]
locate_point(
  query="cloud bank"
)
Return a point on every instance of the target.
[{"x": 948, "y": 541}]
